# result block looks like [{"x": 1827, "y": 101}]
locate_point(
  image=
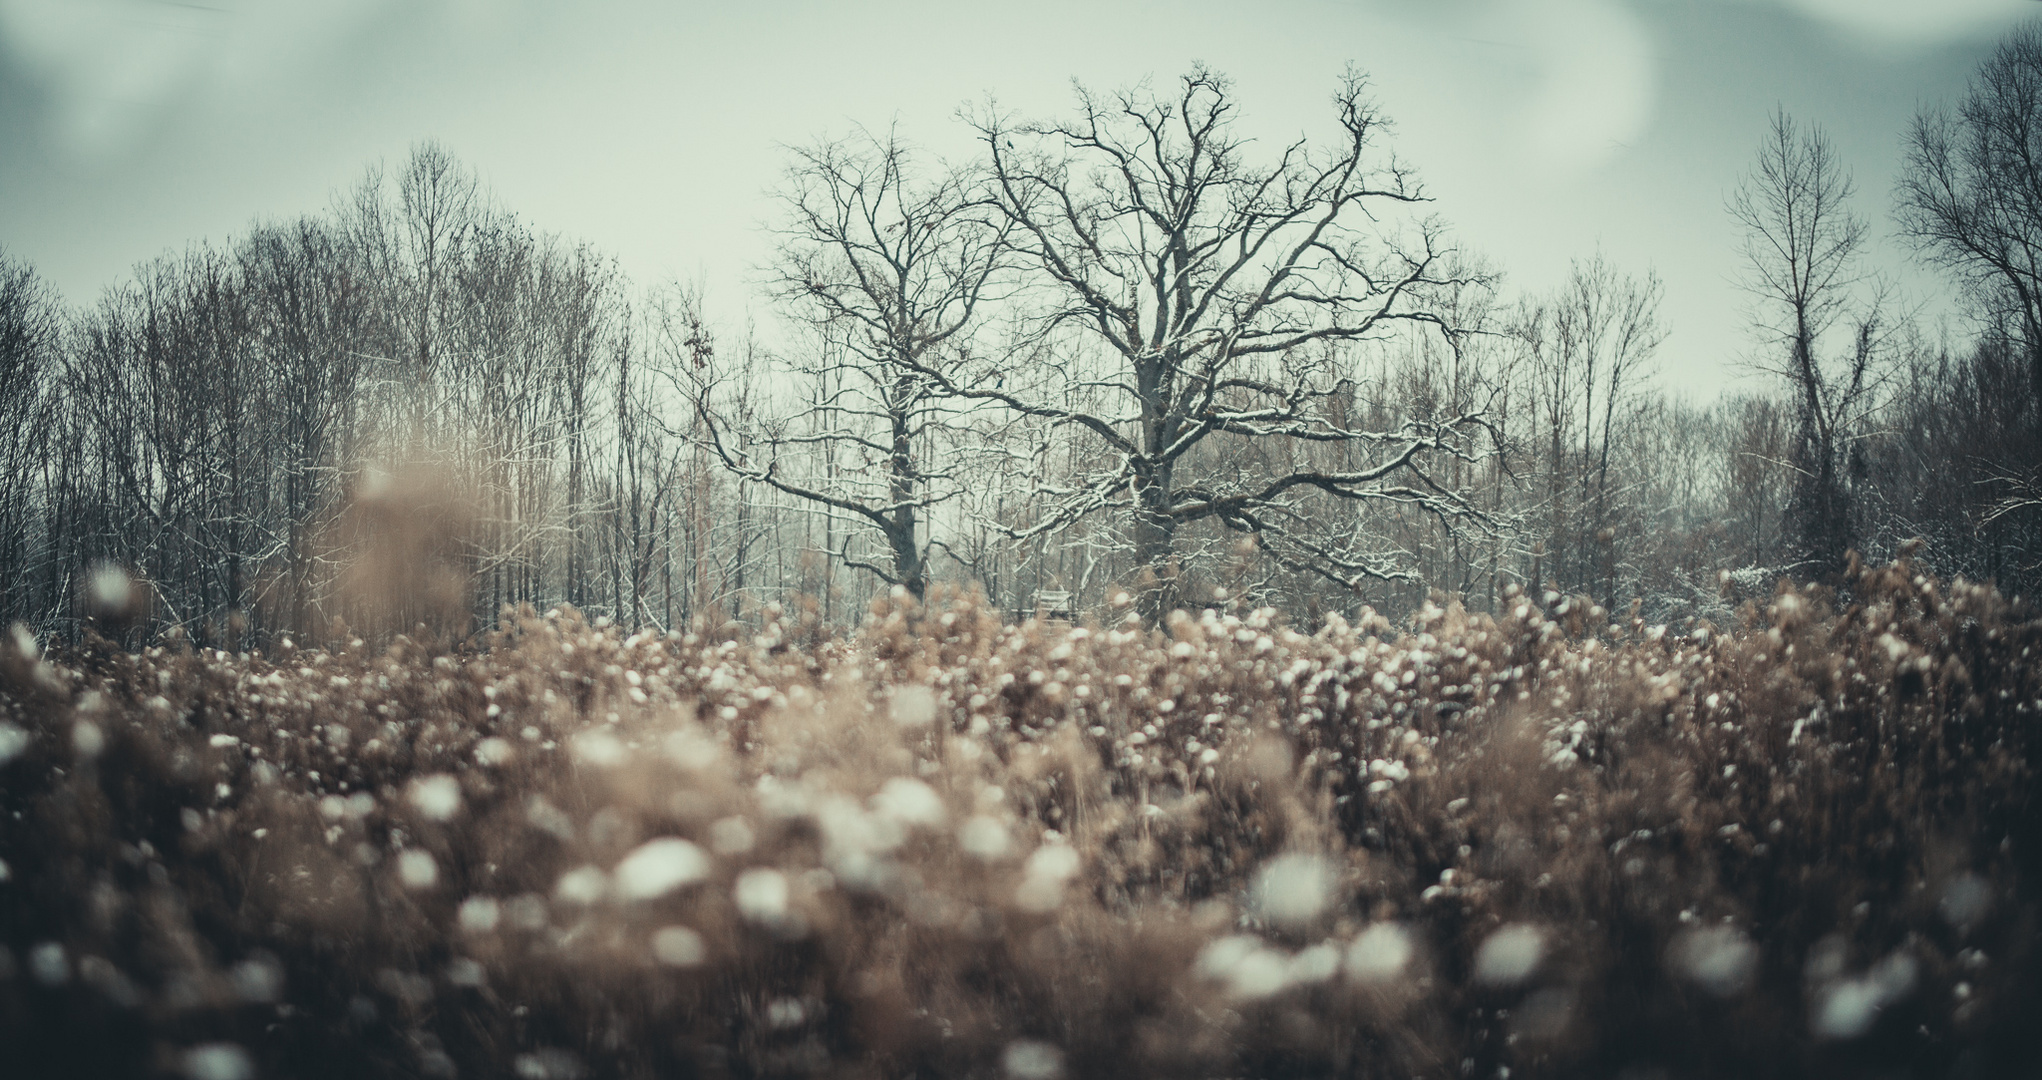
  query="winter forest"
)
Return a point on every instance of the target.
[
  {"x": 1123, "y": 351},
  {"x": 1138, "y": 598}
]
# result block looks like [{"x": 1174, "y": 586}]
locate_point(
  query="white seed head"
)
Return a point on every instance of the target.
[
  {"x": 87, "y": 739},
  {"x": 112, "y": 590},
  {"x": 1380, "y": 953},
  {"x": 479, "y": 914},
  {"x": 1028, "y": 1059},
  {"x": 1719, "y": 959},
  {"x": 417, "y": 869},
  {"x": 678, "y": 946},
  {"x": 762, "y": 895},
  {"x": 658, "y": 867},
  {"x": 1510, "y": 955},
  {"x": 438, "y": 796},
  {"x": 731, "y": 836},
  {"x": 582, "y": 885},
  {"x": 1292, "y": 890},
  {"x": 983, "y": 837},
  {"x": 218, "y": 1061},
  {"x": 913, "y": 706},
  {"x": 909, "y": 802}
]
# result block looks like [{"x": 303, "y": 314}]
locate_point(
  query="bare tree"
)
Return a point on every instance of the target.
[
  {"x": 30, "y": 337},
  {"x": 1958, "y": 430},
  {"x": 646, "y": 482},
  {"x": 156, "y": 366},
  {"x": 437, "y": 195},
  {"x": 1199, "y": 305},
  {"x": 312, "y": 311},
  {"x": 1970, "y": 193},
  {"x": 1801, "y": 250},
  {"x": 1589, "y": 348},
  {"x": 886, "y": 267},
  {"x": 722, "y": 526}
]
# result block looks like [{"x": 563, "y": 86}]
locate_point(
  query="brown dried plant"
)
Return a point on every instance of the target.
[{"x": 1555, "y": 842}]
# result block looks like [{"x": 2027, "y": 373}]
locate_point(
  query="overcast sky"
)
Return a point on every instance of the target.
[{"x": 1543, "y": 129}]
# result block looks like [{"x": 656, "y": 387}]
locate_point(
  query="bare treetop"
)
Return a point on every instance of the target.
[
  {"x": 1802, "y": 242},
  {"x": 1222, "y": 292},
  {"x": 1802, "y": 252},
  {"x": 872, "y": 247},
  {"x": 1970, "y": 198},
  {"x": 1148, "y": 212},
  {"x": 886, "y": 264}
]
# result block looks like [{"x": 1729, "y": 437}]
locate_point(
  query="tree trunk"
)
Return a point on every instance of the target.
[{"x": 1155, "y": 535}]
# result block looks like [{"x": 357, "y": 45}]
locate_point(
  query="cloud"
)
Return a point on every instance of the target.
[
  {"x": 1559, "y": 87},
  {"x": 1915, "y": 24},
  {"x": 111, "y": 69},
  {"x": 1597, "y": 81},
  {"x": 1581, "y": 88},
  {"x": 1578, "y": 81}
]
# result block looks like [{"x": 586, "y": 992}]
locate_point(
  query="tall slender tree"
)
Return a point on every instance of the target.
[
  {"x": 888, "y": 265},
  {"x": 1589, "y": 348},
  {"x": 30, "y": 343},
  {"x": 1802, "y": 254}
]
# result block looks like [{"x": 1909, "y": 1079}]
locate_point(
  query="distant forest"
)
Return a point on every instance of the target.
[{"x": 1123, "y": 357}]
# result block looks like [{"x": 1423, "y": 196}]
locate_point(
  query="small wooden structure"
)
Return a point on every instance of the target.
[{"x": 1051, "y": 605}]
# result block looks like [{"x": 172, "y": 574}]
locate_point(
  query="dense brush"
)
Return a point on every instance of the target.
[{"x": 1555, "y": 843}]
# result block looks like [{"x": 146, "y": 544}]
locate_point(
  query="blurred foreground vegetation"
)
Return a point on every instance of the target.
[{"x": 1553, "y": 842}]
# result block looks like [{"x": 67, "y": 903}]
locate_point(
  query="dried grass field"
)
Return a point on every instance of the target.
[{"x": 1557, "y": 842}]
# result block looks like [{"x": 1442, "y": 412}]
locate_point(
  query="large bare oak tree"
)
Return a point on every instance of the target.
[{"x": 1200, "y": 302}]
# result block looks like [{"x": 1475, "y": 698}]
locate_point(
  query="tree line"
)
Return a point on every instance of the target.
[{"x": 1125, "y": 357}]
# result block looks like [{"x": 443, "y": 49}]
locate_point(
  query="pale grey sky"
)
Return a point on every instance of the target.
[{"x": 129, "y": 127}]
